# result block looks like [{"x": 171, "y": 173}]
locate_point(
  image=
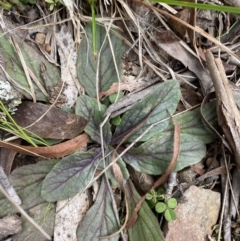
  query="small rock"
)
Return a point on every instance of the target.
[{"x": 195, "y": 217}]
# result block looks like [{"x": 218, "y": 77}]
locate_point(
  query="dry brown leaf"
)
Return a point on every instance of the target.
[
  {"x": 227, "y": 111},
  {"x": 178, "y": 27},
  {"x": 7, "y": 157},
  {"x": 115, "y": 87},
  {"x": 56, "y": 151},
  {"x": 55, "y": 124},
  {"x": 170, "y": 43}
]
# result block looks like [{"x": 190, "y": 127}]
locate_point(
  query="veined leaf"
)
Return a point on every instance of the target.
[
  {"x": 70, "y": 176},
  {"x": 88, "y": 68},
  {"x": 190, "y": 123},
  {"x": 100, "y": 220},
  {"x": 146, "y": 227},
  {"x": 27, "y": 181},
  {"x": 153, "y": 156},
  {"x": 87, "y": 107},
  {"x": 154, "y": 107}
]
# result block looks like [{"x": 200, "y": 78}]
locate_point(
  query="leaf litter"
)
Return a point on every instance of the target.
[{"x": 139, "y": 40}]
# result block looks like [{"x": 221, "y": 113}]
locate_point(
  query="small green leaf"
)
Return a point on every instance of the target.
[
  {"x": 116, "y": 121},
  {"x": 170, "y": 215},
  {"x": 160, "y": 192},
  {"x": 70, "y": 176},
  {"x": 100, "y": 219},
  {"x": 160, "y": 207},
  {"x": 87, "y": 66},
  {"x": 149, "y": 196},
  {"x": 172, "y": 203},
  {"x": 114, "y": 96},
  {"x": 88, "y": 108},
  {"x": 51, "y": 7}
]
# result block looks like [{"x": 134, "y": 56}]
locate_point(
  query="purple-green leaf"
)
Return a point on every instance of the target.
[
  {"x": 70, "y": 176},
  {"x": 154, "y": 156},
  {"x": 190, "y": 123},
  {"x": 100, "y": 220},
  {"x": 87, "y": 107},
  {"x": 154, "y": 107},
  {"x": 146, "y": 227},
  {"x": 27, "y": 181}
]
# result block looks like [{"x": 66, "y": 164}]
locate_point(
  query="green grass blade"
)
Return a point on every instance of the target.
[{"x": 200, "y": 6}]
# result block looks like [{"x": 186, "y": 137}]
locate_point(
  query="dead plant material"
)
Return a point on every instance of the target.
[
  {"x": 116, "y": 87},
  {"x": 196, "y": 29},
  {"x": 170, "y": 43},
  {"x": 60, "y": 150},
  {"x": 164, "y": 177},
  {"x": 227, "y": 111},
  {"x": 7, "y": 157},
  {"x": 49, "y": 122}
]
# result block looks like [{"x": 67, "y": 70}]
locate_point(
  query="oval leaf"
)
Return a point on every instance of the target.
[
  {"x": 172, "y": 202},
  {"x": 70, "y": 176},
  {"x": 153, "y": 156},
  {"x": 154, "y": 107},
  {"x": 33, "y": 59},
  {"x": 170, "y": 215},
  {"x": 160, "y": 207},
  {"x": 191, "y": 123}
]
